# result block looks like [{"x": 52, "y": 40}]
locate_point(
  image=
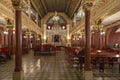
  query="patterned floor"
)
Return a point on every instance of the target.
[{"x": 52, "y": 67}]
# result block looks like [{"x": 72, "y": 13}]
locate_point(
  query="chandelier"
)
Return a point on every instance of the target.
[{"x": 55, "y": 17}]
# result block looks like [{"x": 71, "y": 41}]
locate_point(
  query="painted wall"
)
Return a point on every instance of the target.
[{"x": 113, "y": 36}]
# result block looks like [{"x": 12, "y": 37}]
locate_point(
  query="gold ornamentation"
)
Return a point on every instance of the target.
[
  {"x": 17, "y": 4},
  {"x": 9, "y": 24},
  {"x": 27, "y": 32},
  {"x": 87, "y": 6}
]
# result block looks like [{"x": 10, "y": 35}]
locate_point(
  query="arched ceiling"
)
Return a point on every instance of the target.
[
  {"x": 67, "y": 6},
  {"x": 111, "y": 19}
]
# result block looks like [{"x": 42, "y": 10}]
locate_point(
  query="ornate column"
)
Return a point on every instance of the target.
[
  {"x": 13, "y": 43},
  {"x": 29, "y": 9},
  {"x": 68, "y": 35},
  {"x": 37, "y": 39},
  {"x": 92, "y": 39},
  {"x": 97, "y": 34},
  {"x": 10, "y": 33},
  {"x": 102, "y": 38},
  {"x": 82, "y": 38},
  {"x": 1, "y": 36},
  {"x": 44, "y": 33},
  {"x": 34, "y": 41},
  {"x": 27, "y": 33},
  {"x": 5, "y": 35},
  {"x": 37, "y": 18},
  {"x": 75, "y": 20},
  {"x": 87, "y": 68},
  {"x": 40, "y": 41},
  {"x": 18, "y": 72}
]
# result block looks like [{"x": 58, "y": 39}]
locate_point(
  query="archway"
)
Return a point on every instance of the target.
[{"x": 56, "y": 31}]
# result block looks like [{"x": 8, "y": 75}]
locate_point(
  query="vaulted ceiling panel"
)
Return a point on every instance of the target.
[{"x": 67, "y": 6}]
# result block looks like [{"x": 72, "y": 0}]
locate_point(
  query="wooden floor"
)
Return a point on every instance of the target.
[{"x": 52, "y": 67}]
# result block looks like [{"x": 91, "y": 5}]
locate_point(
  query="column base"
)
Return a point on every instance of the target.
[
  {"x": 13, "y": 57},
  {"x": 88, "y": 75},
  {"x": 18, "y": 75}
]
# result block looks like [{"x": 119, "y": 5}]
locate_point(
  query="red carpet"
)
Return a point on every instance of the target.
[{"x": 58, "y": 48}]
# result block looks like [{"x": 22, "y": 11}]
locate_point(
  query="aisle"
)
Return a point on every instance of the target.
[{"x": 49, "y": 68}]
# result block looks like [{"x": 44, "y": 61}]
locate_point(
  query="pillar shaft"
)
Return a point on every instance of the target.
[
  {"x": 88, "y": 71},
  {"x": 44, "y": 35},
  {"x": 28, "y": 42},
  {"x": 68, "y": 35},
  {"x": 0, "y": 37},
  {"x": 87, "y": 42},
  {"x": 10, "y": 41},
  {"x": 18, "y": 53}
]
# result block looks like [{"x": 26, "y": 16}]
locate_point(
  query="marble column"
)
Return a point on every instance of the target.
[
  {"x": 29, "y": 9},
  {"x": 97, "y": 34},
  {"x": 10, "y": 28},
  {"x": 40, "y": 41},
  {"x": 68, "y": 35},
  {"x": 87, "y": 67},
  {"x": 13, "y": 44},
  {"x": 28, "y": 40},
  {"x": 34, "y": 41},
  {"x": 37, "y": 18},
  {"x": 18, "y": 72},
  {"x": 1, "y": 37},
  {"x": 44, "y": 34},
  {"x": 75, "y": 20},
  {"x": 10, "y": 41},
  {"x": 97, "y": 39},
  {"x": 5, "y": 35},
  {"x": 83, "y": 40}
]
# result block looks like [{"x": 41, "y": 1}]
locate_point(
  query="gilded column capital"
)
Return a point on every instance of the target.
[
  {"x": 9, "y": 24},
  {"x": 17, "y": 4},
  {"x": 99, "y": 22},
  {"x": 98, "y": 25},
  {"x": 27, "y": 32},
  {"x": 88, "y": 5}
]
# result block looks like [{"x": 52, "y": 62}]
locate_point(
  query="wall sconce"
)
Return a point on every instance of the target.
[
  {"x": 13, "y": 32},
  {"x": 31, "y": 36},
  {"x": 38, "y": 39},
  {"x": 63, "y": 27},
  {"x": 5, "y": 32},
  {"x": 68, "y": 37},
  {"x": 77, "y": 38},
  {"x": 49, "y": 27},
  {"x": 73, "y": 39},
  {"x": 117, "y": 55},
  {"x": 102, "y": 33},
  {"x": 24, "y": 36},
  {"x": 80, "y": 36},
  {"x": 44, "y": 37}
]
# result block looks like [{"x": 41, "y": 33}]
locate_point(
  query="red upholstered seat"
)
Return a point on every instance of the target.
[{"x": 4, "y": 51}]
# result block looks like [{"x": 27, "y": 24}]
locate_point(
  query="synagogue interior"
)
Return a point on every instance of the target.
[{"x": 59, "y": 39}]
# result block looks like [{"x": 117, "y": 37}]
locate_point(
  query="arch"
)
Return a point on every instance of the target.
[
  {"x": 60, "y": 21},
  {"x": 113, "y": 36},
  {"x": 63, "y": 15}
]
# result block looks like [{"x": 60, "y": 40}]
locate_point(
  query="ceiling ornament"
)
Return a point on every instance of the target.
[
  {"x": 88, "y": 5},
  {"x": 17, "y": 4}
]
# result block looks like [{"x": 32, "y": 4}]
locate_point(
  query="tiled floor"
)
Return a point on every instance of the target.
[{"x": 52, "y": 67}]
